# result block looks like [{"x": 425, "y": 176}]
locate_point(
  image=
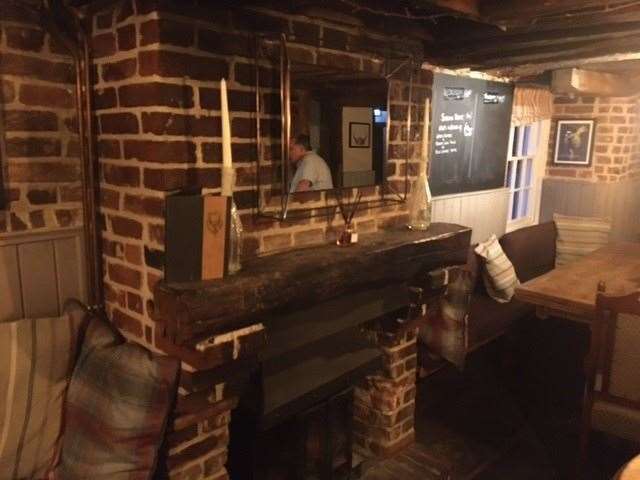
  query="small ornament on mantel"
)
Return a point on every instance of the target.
[
  {"x": 228, "y": 181},
  {"x": 348, "y": 236},
  {"x": 420, "y": 199}
]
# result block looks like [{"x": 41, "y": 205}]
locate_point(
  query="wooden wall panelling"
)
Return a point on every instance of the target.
[
  {"x": 69, "y": 255},
  {"x": 10, "y": 291},
  {"x": 38, "y": 279},
  {"x": 39, "y": 271},
  {"x": 618, "y": 201},
  {"x": 485, "y": 212}
]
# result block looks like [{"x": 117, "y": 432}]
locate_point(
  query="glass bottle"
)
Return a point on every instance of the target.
[
  {"x": 235, "y": 240},
  {"x": 420, "y": 203}
]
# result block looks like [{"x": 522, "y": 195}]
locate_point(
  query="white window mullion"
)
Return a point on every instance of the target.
[{"x": 521, "y": 175}]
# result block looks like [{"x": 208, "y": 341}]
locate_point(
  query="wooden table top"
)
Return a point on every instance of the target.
[{"x": 570, "y": 290}]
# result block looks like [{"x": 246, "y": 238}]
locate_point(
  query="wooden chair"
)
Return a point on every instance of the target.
[{"x": 612, "y": 394}]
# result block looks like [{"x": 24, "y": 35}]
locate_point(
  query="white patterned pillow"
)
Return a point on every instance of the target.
[
  {"x": 578, "y": 236},
  {"x": 36, "y": 360},
  {"x": 498, "y": 273}
]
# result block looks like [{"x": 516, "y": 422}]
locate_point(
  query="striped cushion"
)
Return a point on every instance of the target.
[
  {"x": 117, "y": 407},
  {"x": 36, "y": 360},
  {"x": 498, "y": 273},
  {"x": 578, "y": 236}
]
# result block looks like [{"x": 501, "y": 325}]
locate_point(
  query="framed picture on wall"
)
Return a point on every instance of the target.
[
  {"x": 574, "y": 142},
  {"x": 359, "y": 135}
]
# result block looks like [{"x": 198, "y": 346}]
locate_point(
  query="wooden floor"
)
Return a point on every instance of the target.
[
  {"x": 413, "y": 463},
  {"x": 483, "y": 424}
]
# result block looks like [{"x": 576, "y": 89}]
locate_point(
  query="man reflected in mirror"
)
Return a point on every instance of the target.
[{"x": 312, "y": 172}]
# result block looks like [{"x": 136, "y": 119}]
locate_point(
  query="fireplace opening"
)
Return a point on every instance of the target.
[
  {"x": 313, "y": 444},
  {"x": 295, "y": 418}
]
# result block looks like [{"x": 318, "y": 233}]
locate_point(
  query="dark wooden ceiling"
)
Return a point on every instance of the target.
[{"x": 510, "y": 37}]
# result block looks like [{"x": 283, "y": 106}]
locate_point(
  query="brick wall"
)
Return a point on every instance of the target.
[
  {"x": 157, "y": 101},
  {"x": 616, "y": 149},
  {"x": 40, "y": 152}
]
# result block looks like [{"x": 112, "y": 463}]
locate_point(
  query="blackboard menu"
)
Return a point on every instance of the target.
[{"x": 470, "y": 134}]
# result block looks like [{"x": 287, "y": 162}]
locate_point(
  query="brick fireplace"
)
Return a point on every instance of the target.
[
  {"x": 157, "y": 68},
  {"x": 284, "y": 337}
]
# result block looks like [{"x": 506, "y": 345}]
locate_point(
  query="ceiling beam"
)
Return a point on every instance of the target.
[
  {"x": 500, "y": 44},
  {"x": 590, "y": 19},
  {"x": 527, "y": 69},
  {"x": 542, "y": 54},
  {"x": 579, "y": 81},
  {"x": 508, "y": 11},
  {"x": 468, "y": 8}
]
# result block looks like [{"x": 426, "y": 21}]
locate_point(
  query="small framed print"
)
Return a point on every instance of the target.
[
  {"x": 574, "y": 142},
  {"x": 359, "y": 135}
]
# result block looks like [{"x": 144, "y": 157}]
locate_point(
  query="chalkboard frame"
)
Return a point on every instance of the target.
[{"x": 470, "y": 125}]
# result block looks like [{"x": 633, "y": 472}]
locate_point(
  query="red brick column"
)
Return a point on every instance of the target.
[{"x": 385, "y": 403}]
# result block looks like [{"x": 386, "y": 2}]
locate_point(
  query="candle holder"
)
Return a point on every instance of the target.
[{"x": 347, "y": 237}]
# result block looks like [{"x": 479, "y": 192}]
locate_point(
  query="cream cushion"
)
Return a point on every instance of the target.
[
  {"x": 36, "y": 360},
  {"x": 578, "y": 236},
  {"x": 498, "y": 273}
]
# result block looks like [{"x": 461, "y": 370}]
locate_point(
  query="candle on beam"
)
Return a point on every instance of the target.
[
  {"x": 227, "y": 167},
  {"x": 425, "y": 133}
]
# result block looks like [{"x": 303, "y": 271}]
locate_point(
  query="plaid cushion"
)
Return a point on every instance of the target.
[
  {"x": 578, "y": 236},
  {"x": 445, "y": 332},
  {"x": 36, "y": 361},
  {"x": 498, "y": 274},
  {"x": 117, "y": 406}
]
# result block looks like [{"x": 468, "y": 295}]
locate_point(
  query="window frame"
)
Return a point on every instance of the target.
[{"x": 528, "y": 161}]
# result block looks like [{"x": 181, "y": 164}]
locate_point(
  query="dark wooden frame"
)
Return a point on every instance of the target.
[
  {"x": 388, "y": 194},
  {"x": 600, "y": 358},
  {"x": 368, "y": 125},
  {"x": 592, "y": 127}
]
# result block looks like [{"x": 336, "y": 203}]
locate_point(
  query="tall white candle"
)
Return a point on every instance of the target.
[
  {"x": 425, "y": 132},
  {"x": 227, "y": 168}
]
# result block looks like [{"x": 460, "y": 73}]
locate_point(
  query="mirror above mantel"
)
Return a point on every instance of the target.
[{"x": 337, "y": 132}]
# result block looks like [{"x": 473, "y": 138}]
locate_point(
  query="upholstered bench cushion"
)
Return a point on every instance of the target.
[
  {"x": 489, "y": 319},
  {"x": 532, "y": 250},
  {"x": 36, "y": 360},
  {"x": 117, "y": 406}
]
